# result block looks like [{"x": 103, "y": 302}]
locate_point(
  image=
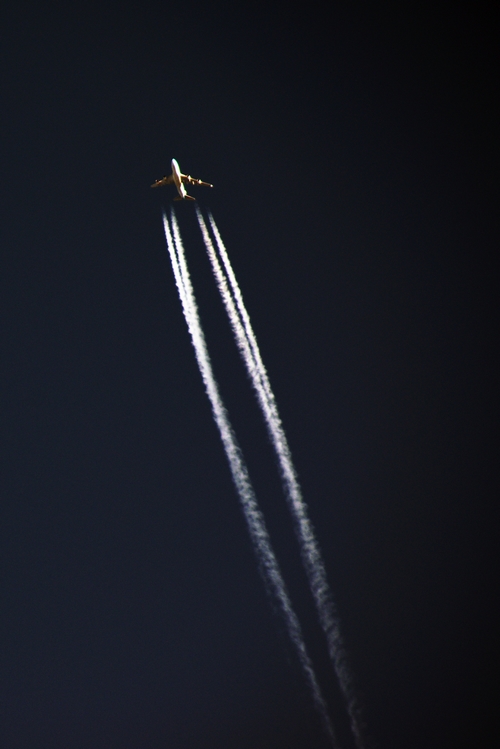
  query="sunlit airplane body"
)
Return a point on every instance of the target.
[{"x": 178, "y": 179}]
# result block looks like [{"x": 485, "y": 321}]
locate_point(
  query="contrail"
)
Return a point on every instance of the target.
[
  {"x": 255, "y": 520},
  {"x": 311, "y": 555}
]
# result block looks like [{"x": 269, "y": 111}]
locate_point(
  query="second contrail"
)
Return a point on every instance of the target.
[
  {"x": 255, "y": 521},
  {"x": 310, "y": 552}
]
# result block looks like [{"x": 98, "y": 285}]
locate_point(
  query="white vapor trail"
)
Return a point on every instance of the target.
[
  {"x": 255, "y": 520},
  {"x": 310, "y": 552}
]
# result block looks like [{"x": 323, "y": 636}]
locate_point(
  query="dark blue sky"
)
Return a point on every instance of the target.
[{"x": 353, "y": 177}]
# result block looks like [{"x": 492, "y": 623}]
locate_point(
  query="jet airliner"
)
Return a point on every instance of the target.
[{"x": 178, "y": 179}]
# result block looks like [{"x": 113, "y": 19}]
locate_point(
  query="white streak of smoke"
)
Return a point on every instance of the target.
[
  {"x": 255, "y": 520},
  {"x": 310, "y": 552}
]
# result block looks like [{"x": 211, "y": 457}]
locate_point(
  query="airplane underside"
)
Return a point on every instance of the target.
[{"x": 177, "y": 178}]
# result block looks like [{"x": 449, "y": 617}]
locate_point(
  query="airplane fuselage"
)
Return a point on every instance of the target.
[{"x": 176, "y": 174}]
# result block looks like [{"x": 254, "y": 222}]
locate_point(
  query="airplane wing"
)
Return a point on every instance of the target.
[
  {"x": 193, "y": 181},
  {"x": 163, "y": 181}
]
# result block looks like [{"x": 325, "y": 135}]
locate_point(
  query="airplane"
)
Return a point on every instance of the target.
[{"x": 178, "y": 180}]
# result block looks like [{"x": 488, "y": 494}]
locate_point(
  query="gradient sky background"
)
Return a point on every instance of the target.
[{"x": 353, "y": 177}]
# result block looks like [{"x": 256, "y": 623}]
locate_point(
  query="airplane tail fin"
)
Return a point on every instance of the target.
[{"x": 186, "y": 197}]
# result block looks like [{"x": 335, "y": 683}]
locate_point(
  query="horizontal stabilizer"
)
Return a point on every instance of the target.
[{"x": 186, "y": 197}]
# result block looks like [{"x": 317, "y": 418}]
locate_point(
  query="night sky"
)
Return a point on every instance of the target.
[{"x": 350, "y": 149}]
